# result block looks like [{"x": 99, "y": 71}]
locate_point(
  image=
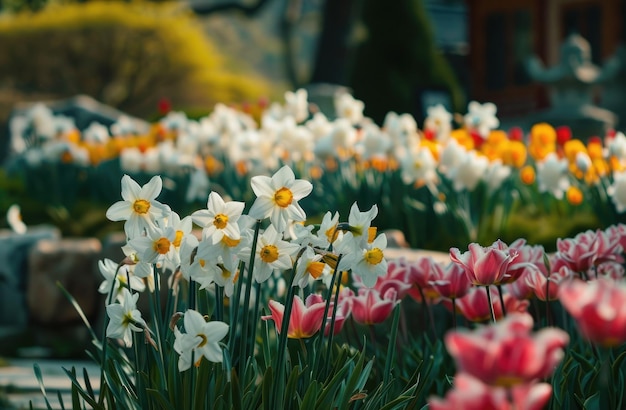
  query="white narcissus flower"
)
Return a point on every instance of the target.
[
  {"x": 617, "y": 146},
  {"x": 124, "y": 318},
  {"x": 469, "y": 173},
  {"x": 481, "y": 117},
  {"x": 439, "y": 120},
  {"x": 617, "y": 191},
  {"x": 496, "y": 174},
  {"x": 310, "y": 267},
  {"x": 96, "y": 133},
  {"x": 374, "y": 143},
  {"x": 346, "y": 106},
  {"x": 116, "y": 279},
  {"x": 272, "y": 253},
  {"x": 368, "y": 263},
  {"x": 297, "y": 104},
  {"x": 552, "y": 175},
  {"x": 220, "y": 218},
  {"x": 451, "y": 156},
  {"x": 419, "y": 166},
  {"x": 359, "y": 225},
  {"x": 139, "y": 207},
  {"x": 14, "y": 219},
  {"x": 278, "y": 196},
  {"x": 201, "y": 338},
  {"x": 157, "y": 246}
]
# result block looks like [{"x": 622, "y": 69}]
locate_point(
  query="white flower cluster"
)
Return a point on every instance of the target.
[
  {"x": 159, "y": 240},
  {"x": 289, "y": 132}
]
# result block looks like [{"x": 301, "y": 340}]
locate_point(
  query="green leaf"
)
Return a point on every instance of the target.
[
  {"x": 593, "y": 403},
  {"x": 78, "y": 389},
  {"x": 160, "y": 398},
  {"x": 37, "y": 371},
  {"x": 79, "y": 310},
  {"x": 268, "y": 382}
]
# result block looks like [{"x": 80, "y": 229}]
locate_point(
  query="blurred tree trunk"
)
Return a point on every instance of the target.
[{"x": 333, "y": 53}]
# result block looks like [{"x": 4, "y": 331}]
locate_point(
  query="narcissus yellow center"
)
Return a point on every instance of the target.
[
  {"x": 269, "y": 253},
  {"x": 141, "y": 206},
  {"x": 162, "y": 245},
  {"x": 178, "y": 238},
  {"x": 283, "y": 197},
  {"x": 374, "y": 256},
  {"x": 220, "y": 221},
  {"x": 204, "y": 340},
  {"x": 331, "y": 233},
  {"x": 371, "y": 234},
  {"x": 315, "y": 269},
  {"x": 231, "y": 243}
]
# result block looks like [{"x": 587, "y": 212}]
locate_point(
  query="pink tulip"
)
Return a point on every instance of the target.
[
  {"x": 520, "y": 289},
  {"x": 485, "y": 266},
  {"x": 420, "y": 275},
  {"x": 370, "y": 308},
  {"x": 470, "y": 393},
  {"x": 450, "y": 281},
  {"x": 304, "y": 321},
  {"x": 529, "y": 258},
  {"x": 475, "y": 305},
  {"x": 342, "y": 313},
  {"x": 506, "y": 354},
  {"x": 548, "y": 288},
  {"x": 599, "y": 308},
  {"x": 580, "y": 252}
]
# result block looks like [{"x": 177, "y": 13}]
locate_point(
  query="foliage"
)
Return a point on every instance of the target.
[{"x": 121, "y": 54}]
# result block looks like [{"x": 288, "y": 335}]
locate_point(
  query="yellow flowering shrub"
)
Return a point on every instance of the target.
[{"x": 128, "y": 55}]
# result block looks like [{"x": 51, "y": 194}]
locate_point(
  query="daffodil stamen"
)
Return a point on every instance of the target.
[
  {"x": 162, "y": 246},
  {"x": 220, "y": 221},
  {"x": 269, "y": 253},
  {"x": 141, "y": 206},
  {"x": 283, "y": 197},
  {"x": 204, "y": 340},
  {"x": 374, "y": 256}
]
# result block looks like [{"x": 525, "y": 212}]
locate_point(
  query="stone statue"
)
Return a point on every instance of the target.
[{"x": 573, "y": 83}]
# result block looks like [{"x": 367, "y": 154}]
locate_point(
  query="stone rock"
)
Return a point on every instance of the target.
[
  {"x": 14, "y": 251},
  {"x": 72, "y": 263},
  {"x": 396, "y": 239}
]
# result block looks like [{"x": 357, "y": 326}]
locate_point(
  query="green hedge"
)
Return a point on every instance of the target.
[{"x": 128, "y": 55}]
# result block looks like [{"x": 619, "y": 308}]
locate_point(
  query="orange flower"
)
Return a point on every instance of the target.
[
  {"x": 527, "y": 175},
  {"x": 513, "y": 153},
  {"x": 574, "y": 196}
]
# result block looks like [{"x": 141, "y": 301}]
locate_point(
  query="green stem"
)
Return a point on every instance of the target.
[
  {"x": 331, "y": 332},
  {"x": 501, "y": 295},
  {"x": 234, "y": 308},
  {"x": 493, "y": 313},
  {"x": 219, "y": 303},
  {"x": 391, "y": 347},
  {"x": 246, "y": 301},
  {"x": 279, "y": 383},
  {"x": 105, "y": 322}
]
